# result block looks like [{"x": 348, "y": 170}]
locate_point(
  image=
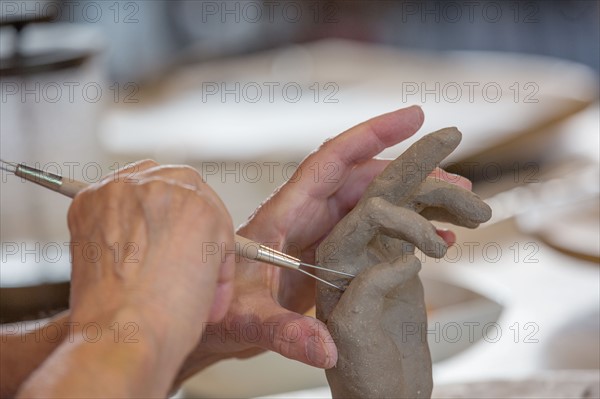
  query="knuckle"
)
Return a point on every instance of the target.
[
  {"x": 153, "y": 183},
  {"x": 154, "y": 188},
  {"x": 178, "y": 173},
  {"x": 191, "y": 173},
  {"x": 146, "y": 163}
]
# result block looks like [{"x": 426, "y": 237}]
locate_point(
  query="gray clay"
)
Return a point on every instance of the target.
[{"x": 379, "y": 323}]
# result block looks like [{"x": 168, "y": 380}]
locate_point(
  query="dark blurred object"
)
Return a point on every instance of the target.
[
  {"x": 561, "y": 28},
  {"x": 147, "y": 37},
  {"x": 19, "y": 22},
  {"x": 20, "y": 63},
  {"x": 34, "y": 281},
  {"x": 33, "y": 303}
]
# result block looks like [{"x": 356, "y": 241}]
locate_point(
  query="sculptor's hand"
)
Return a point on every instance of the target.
[
  {"x": 326, "y": 186},
  {"x": 139, "y": 277},
  {"x": 137, "y": 242}
]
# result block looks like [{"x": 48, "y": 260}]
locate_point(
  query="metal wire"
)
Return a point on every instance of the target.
[
  {"x": 321, "y": 280},
  {"x": 327, "y": 270}
]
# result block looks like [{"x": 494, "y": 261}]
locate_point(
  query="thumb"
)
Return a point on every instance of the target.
[
  {"x": 366, "y": 293},
  {"x": 297, "y": 337}
]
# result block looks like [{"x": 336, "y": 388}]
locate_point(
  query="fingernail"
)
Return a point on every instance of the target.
[{"x": 317, "y": 353}]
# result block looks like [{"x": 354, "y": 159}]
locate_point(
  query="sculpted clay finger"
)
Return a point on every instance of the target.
[
  {"x": 365, "y": 294},
  {"x": 445, "y": 202},
  {"x": 406, "y": 225},
  {"x": 404, "y": 174},
  {"x": 457, "y": 180}
]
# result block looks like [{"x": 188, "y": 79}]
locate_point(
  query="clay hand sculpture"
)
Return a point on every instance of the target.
[{"x": 379, "y": 323}]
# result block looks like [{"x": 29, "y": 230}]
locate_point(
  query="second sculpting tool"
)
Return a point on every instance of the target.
[{"x": 244, "y": 247}]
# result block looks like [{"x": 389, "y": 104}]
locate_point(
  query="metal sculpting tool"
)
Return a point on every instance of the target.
[{"x": 244, "y": 247}]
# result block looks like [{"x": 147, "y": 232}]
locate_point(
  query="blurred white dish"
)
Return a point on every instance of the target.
[{"x": 283, "y": 103}]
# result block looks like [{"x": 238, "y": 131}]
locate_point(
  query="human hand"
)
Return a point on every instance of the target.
[
  {"x": 137, "y": 244},
  {"x": 296, "y": 218},
  {"x": 379, "y": 321}
]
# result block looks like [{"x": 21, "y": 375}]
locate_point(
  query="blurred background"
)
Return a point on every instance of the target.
[{"x": 243, "y": 90}]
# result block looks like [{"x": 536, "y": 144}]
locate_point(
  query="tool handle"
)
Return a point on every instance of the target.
[
  {"x": 246, "y": 244},
  {"x": 252, "y": 250},
  {"x": 247, "y": 248},
  {"x": 70, "y": 188}
]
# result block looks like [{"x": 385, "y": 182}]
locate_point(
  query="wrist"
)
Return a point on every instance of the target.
[
  {"x": 103, "y": 356},
  {"x": 155, "y": 355},
  {"x": 134, "y": 328},
  {"x": 155, "y": 334}
]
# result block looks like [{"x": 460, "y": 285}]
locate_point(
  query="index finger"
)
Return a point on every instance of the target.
[{"x": 355, "y": 146}]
